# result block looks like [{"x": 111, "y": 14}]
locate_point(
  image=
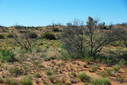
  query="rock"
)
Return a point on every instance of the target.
[
  {"x": 74, "y": 81},
  {"x": 85, "y": 66}
]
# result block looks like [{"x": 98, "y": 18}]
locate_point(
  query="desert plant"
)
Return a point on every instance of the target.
[
  {"x": 101, "y": 82},
  {"x": 81, "y": 41},
  {"x": 22, "y": 39},
  {"x": 2, "y": 36},
  {"x": 50, "y": 72},
  {"x": 120, "y": 78},
  {"x": 15, "y": 71},
  {"x": 37, "y": 75},
  {"x": 10, "y": 36},
  {"x": 32, "y": 35},
  {"x": 27, "y": 81},
  {"x": 94, "y": 68},
  {"x": 55, "y": 79},
  {"x": 73, "y": 41},
  {"x": 6, "y": 55},
  {"x": 49, "y": 35},
  {"x": 84, "y": 77},
  {"x": 98, "y": 38},
  {"x": 116, "y": 68},
  {"x": 10, "y": 81}
]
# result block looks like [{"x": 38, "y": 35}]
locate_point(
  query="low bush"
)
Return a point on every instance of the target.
[
  {"x": 94, "y": 68},
  {"x": 2, "y": 36},
  {"x": 56, "y": 30},
  {"x": 37, "y": 75},
  {"x": 49, "y": 36},
  {"x": 50, "y": 72},
  {"x": 9, "y": 81},
  {"x": 10, "y": 36},
  {"x": 120, "y": 78},
  {"x": 104, "y": 81},
  {"x": 33, "y": 35},
  {"x": 6, "y": 55},
  {"x": 27, "y": 81},
  {"x": 116, "y": 68},
  {"x": 84, "y": 77},
  {"x": 15, "y": 71}
]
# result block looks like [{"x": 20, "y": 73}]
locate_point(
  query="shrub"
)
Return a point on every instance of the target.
[
  {"x": 73, "y": 42},
  {"x": 15, "y": 71},
  {"x": 49, "y": 36},
  {"x": 6, "y": 55},
  {"x": 50, "y": 73},
  {"x": 84, "y": 77},
  {"x": 22, "y": 39},
  {"x": 26, "y": 81},
  {"x": 55, "y": 80},
  {"x": 94, "y": 68},
  {"x": 1, "y": 80},
  {"x": 10, "y": 36},
  {"x": 2, "y": 36},
  {"x": 33, "y": 35},
  {"x": 116, "y": 68},
  {"x": 10, "y": 81},
  {"x": 37, "y": 75},
  {"x": 56, "y": 30},
  {"x": 120, "y": 78},
  {"x": 101, "y": 82},
  {"x": 109, "y": 72}
]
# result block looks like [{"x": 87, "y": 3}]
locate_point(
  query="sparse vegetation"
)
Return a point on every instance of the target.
[
  {"x": 101, "y": 82},
  {"x": 2, "y": 36},
  {"x": 84, "y": 77},
  {"x": 27, "y": 81},
  {"x": 6, "y": 55},
  {"x": 49, "y": 35},
  {"x": 16, "y": 71},
  {"x": 64, "y": 54}
]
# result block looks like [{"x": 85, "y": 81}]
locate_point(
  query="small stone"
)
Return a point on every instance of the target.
[{"x": 74, "y": 81}]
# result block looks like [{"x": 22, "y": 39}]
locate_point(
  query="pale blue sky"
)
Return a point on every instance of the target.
[{"x": 45, "y": 12}]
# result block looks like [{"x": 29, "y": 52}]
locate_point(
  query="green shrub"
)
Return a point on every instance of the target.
[
  {"x": 94, "y": 68},
  {"x": 15, "y": 71},
  {"x": 46, "y": 83},
  {"x": 109, "y": 72},
  {"x": 37, "y": 75},
  {"x": 101, "y": 82},
  {"x": 10, "y": 36},
  {"x": 49, "y": 36},
  {"x": 116, "y": 68},
  {"x": 2, "y": 36},
  {"x": 10, "y": 81},
  {"x": 27, "y": 81},
  {"x": 33, "y": 35},
  {"x": 6, "y": 55},
  {"x": 120, "y": 78},
  {"x": 103, "y": 74},
  {"x": 84, "y": 77},
  {"x": 56, "y": 30},
  {"x": 50, "y": 73}
]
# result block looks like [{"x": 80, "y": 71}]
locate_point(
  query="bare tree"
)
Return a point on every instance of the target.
[
  {"x": 73, "y": 39},
  {"x": 99, "y": 38},
  {"x": 81, "y": 41}
]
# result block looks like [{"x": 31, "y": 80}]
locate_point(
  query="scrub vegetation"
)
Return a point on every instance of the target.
[{"x": 92, "y": 53}]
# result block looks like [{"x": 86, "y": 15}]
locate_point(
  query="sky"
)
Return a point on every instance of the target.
[{"x": 45, "y": 12}]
